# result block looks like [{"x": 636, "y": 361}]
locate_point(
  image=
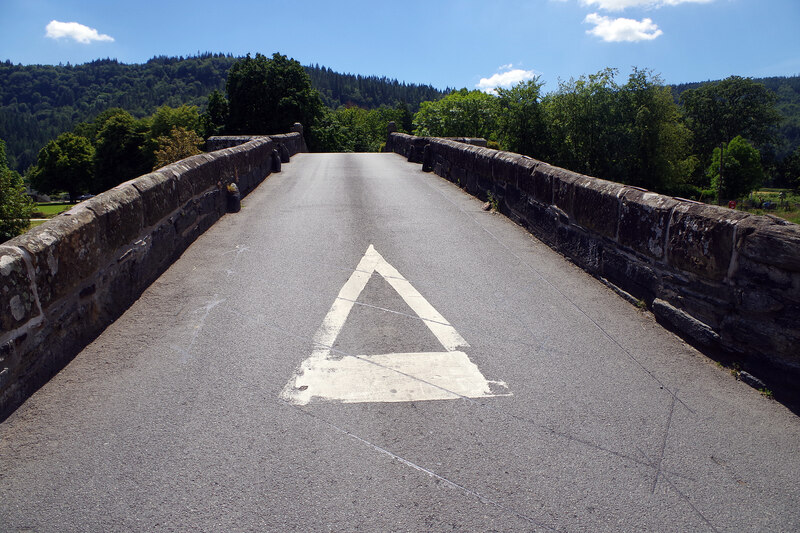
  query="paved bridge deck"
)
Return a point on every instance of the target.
[{"x": 363, "y": 348}]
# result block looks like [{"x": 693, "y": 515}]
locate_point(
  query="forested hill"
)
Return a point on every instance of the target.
[
  {"x": 787, "y": 89},
  {"x": 38, "y": 102},
  {"x": 368, "y": 91}
]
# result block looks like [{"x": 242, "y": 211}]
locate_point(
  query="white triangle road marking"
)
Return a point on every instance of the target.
[{"x": 393, "y": 377}]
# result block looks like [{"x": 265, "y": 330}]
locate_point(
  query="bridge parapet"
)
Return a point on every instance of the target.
[
  {"x": 729, "y": 282},
  {"x": 63, "y": 282}
]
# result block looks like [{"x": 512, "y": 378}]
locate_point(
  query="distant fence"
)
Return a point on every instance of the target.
[
  {"x": 725, "y": 280},
  {"x": 63, "y": 282}
]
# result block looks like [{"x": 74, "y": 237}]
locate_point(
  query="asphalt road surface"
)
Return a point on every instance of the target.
[{"x": 362, "y": 348}]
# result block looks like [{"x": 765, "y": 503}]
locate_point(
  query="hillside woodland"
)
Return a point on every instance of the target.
[
  {"x": 39, "y": 102},
  {"x": 85, "y": 128}
]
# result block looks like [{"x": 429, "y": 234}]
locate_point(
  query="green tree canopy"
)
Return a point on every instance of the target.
[
  {"x": 741, "y": 169},
  {"x": 459, "y": 114},
  {"x": 521, "y": 123},
  {"x": 179, "y": 144},
  {"x": 15, "y": 205},
  {"x": 120, "y": 152},
  {"x": 269, "y": 95},
  {"x": 656, "y": 144},
  {"x": 630, "y": 133},
  {"x": 65, "y": 164},
  {"x": 166, "y": 118},
  {"x": 718, "y": 112},
  {"x": 216, "y": 115}
]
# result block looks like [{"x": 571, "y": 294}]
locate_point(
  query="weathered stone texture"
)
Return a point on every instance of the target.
[
  {"x": 725, "y": 280},
  {"x": 63, "y": 282}
]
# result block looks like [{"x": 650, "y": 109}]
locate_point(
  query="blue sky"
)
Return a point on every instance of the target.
[{"x": 440, "y": 42}]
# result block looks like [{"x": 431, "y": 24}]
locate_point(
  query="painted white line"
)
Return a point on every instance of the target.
[
  {"x": 440, "y": 327},
  {"x": 393, "y": 377}
]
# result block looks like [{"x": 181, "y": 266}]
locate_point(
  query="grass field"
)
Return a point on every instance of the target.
[
  {"x": 787, "y": 207},
  {"x": 50, "y": 209}
]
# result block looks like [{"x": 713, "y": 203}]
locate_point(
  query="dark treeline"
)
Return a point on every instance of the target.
[
  {"x": 787, "y": 91},
  {"x": 39, "y": 102},
  {"x": 368, "y": 92}
]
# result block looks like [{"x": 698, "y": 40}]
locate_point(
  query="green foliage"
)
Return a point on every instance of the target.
[
  {"x": 717, "y": 112},
  {"x": 179, "y": 144},
  {"x": 39, "y": 102},
  {"x": 353, "y": 129},
  {"x": 65, "y": 164},
  {"x": 459, "y": 114},
  {"x": 15, "y": 204},
  {"x": 166, "y": 119},
  {"x": 269, "y": 95},
  {"x": 521, "y": 122},
  {"x": 584, "y": 121},
  {"x": 741, "y": 170},
  {"x": 120, "y": 151},
  {"x": 369, "y": 92},
  {"x": 216, "y": 116},
  {"x": 629, "y": 133},
  {"x": 790, "y": 170}
]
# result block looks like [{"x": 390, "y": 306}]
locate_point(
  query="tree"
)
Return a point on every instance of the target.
[
  {"x": 629, "y": 133},
  {"x": 167, "y": 118},
  {"x": 15, "y": 204},
  {"x": 353, "y": 129},
  {"x": 791, "y": 169},
  {"x": 216, "y": 115},
  {"x": 741, "y": 170},
  {"x": 65, "y": 164},
  {"x": 718, "y": 112},
  {"x": 656, "y": 144},
  {"x": 522, "y": 128},
  {"x": 269, "y": 95},
  {"x": 179, "y": 144},
  {"x": 584, "y": 116},
  {"x": 120, "y": 153},
  {"x": 459, "y": 114}
]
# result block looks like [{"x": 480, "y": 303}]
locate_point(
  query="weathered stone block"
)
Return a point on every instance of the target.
[
  {"x": 540, "y": 184},
  {"x": 159, "y": 196},
  {"x": 119, "y": 216},
  {"x": 563, "y": 183},
  {"x": 685, "y": 323},
  {"x": 701, "y": 239},
  {"x": 17, "y": 297},
  {"x": 582, "y": 248},
  {"x": 707, "y": 300},
  {"x": 64, "y": 250},
  {"x": 522, "y": 175},
  {"x": 644, "y": 220},
  {"x": 483, "y": 163},
  {"x": 542, "y": 221},
  {"x": 630, "y": 274},
  {"x": 596, "y": 205},
  {"x": 504, "y": 167},
  {"x": 767, "y": 241}
]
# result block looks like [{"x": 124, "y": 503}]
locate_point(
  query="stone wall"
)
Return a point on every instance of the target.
[
  {"x": 727, "y": 281},
  {"x": 63, "y": 282}
]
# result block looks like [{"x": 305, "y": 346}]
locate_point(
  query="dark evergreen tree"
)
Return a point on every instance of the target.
[{"x": 269, "y": 95}]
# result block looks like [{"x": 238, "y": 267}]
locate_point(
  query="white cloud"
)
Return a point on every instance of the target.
[
  {"x": 622, "y": 29},
  {"x": 504, "y": 79},
  {"x": 619, "y": 5},
  {"x": 73, "y": 30},
  {"x": 508, "y": 66}
]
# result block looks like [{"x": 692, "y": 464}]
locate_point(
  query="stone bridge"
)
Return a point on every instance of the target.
[{"x": 364, "y": 346}]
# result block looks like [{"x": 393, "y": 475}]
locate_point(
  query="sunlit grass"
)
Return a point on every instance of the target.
[
  {"x": 47, "y": 210},
  {"x": 786, "y": 207}
]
